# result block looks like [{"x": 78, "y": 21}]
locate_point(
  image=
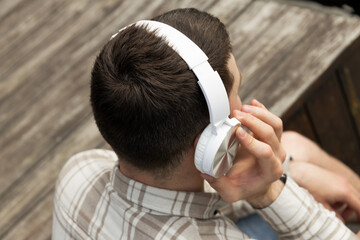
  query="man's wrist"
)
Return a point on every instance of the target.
[{"x": 269, "y": 197}]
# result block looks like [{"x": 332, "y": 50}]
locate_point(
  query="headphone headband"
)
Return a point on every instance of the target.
[{"x": 209, "y": 80}]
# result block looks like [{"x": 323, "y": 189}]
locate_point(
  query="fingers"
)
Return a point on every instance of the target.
[
  {"x": 255, "y": 147},
  {"x": 258, "y": 165},
  {"x": 353, "y": 201},
  {"x": 259, "y": 111},
  {"x": 270, "y": 165},
  {"x": 255, "y": 102},
  {"x": 224, "y": 187},
  {"x": 263, "y": 131},
  {"x": 329, "y": 186}
]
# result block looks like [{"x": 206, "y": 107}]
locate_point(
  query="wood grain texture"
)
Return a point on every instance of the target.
[
  {"x": 301, "y": 123},
  {"x": 331, "y": 117},
  {"x": 283, "y": 50},
  {"x": 349, "y": 75},
  {"x": 47, "y": 52}
]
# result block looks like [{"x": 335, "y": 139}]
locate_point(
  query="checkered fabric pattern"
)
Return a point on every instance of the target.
[{"x": 94, "y": 200}]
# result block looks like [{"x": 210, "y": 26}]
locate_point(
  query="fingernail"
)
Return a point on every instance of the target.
[
  {"x": 256, "y": 102},
  {"x": 207, "y": 178},
  {"x": 241, "y": 132}
]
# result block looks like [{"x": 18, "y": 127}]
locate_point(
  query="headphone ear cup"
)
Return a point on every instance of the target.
[
  {"x": 215, "y": 152},
  {"x": 201, "y": 147}
]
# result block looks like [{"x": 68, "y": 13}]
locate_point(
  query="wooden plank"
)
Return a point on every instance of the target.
[
  {"x": 63, "y": 85},
  {"x": 221, "y": 10},
  {"x": 332, "y": 120},
  {"x": 28, "y": 191},
  {"x": 282, "y": 51},
  {"x": 246, "y": 29},
  {"x": 36, "y": 225},
  {"x": 66, "y": 35},
  {"x": 8, "y": 7},
  {"x": 349, "y": 75},
  {"x": 353, "y": 64},
  {"x": 39, "y": 129},
  {"x": 301, "y": 123},
  {"x": 26, "y": 43}
]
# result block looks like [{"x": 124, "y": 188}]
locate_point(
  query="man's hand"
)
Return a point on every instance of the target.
[
  {"x": 329, "y": 188},
  {"x": 258, "y": 164}
]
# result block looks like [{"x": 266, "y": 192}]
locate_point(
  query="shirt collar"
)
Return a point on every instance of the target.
[{"x": 166, "y": 202}]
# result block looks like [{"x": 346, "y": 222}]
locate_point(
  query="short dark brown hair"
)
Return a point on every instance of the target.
[{"x": 146, "y": 102}]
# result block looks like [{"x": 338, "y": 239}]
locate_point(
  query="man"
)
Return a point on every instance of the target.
[{"x": 150, "y": 109}]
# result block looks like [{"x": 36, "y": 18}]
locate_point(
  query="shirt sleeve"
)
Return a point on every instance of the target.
[{"x": 296, "y": 215}]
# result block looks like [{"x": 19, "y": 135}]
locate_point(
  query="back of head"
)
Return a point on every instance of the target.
[{"x": 146, "y": 102}]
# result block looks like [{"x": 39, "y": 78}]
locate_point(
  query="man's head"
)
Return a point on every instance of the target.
[{"x": 146, "y": 102}]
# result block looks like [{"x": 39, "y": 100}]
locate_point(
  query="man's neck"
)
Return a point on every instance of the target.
[{"x": 184, "y": 178}]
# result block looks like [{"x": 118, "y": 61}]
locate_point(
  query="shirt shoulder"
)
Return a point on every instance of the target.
[
  {"x": 82, "y": 169},
  {"x": 84, "y": 176},
  {"x": 87, "y": 159},
  {"x": 93, "y": 200}
]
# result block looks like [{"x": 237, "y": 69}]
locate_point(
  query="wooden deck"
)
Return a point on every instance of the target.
[{"x": 46, "y": 54}]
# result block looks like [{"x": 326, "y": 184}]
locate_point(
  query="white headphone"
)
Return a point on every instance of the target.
[{"x": 217, "y": 146}]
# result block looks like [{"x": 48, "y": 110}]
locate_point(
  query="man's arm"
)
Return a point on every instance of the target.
[
  {"x": 291, "y": 211},
  {"x": 295, "y": 214},
  {"x": 328, "y": 180}
]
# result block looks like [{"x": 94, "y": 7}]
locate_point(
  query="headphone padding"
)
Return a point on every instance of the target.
[{"x": 201, "y": 148}]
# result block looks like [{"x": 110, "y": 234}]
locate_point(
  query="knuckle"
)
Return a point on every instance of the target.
[
  {"x": 267, "y": 151},
  {"x": 250, "y": 141},
  {"x": 345, "y": 191},
  {"x": 276, "y": 173},
  {"x": 341, "y": 180},
  {"x": 279, "y": 124},
  {"x": 268, "y": 132},
  {"x": 245, "y": 118},
  {"x": 248, "y": 117},
  {"x": 282, "y": 155},
  {"x": 279, "y": 171},
  {"x": 343, "y": 186}
]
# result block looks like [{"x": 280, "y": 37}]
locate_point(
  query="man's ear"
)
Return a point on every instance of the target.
[{"x": 197, "y": 140}]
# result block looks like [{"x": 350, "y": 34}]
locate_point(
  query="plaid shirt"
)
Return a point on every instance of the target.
[{"x": 93, "y": 200}]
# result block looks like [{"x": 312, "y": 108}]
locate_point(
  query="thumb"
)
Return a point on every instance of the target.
[{"x": 223, "y": 186}]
